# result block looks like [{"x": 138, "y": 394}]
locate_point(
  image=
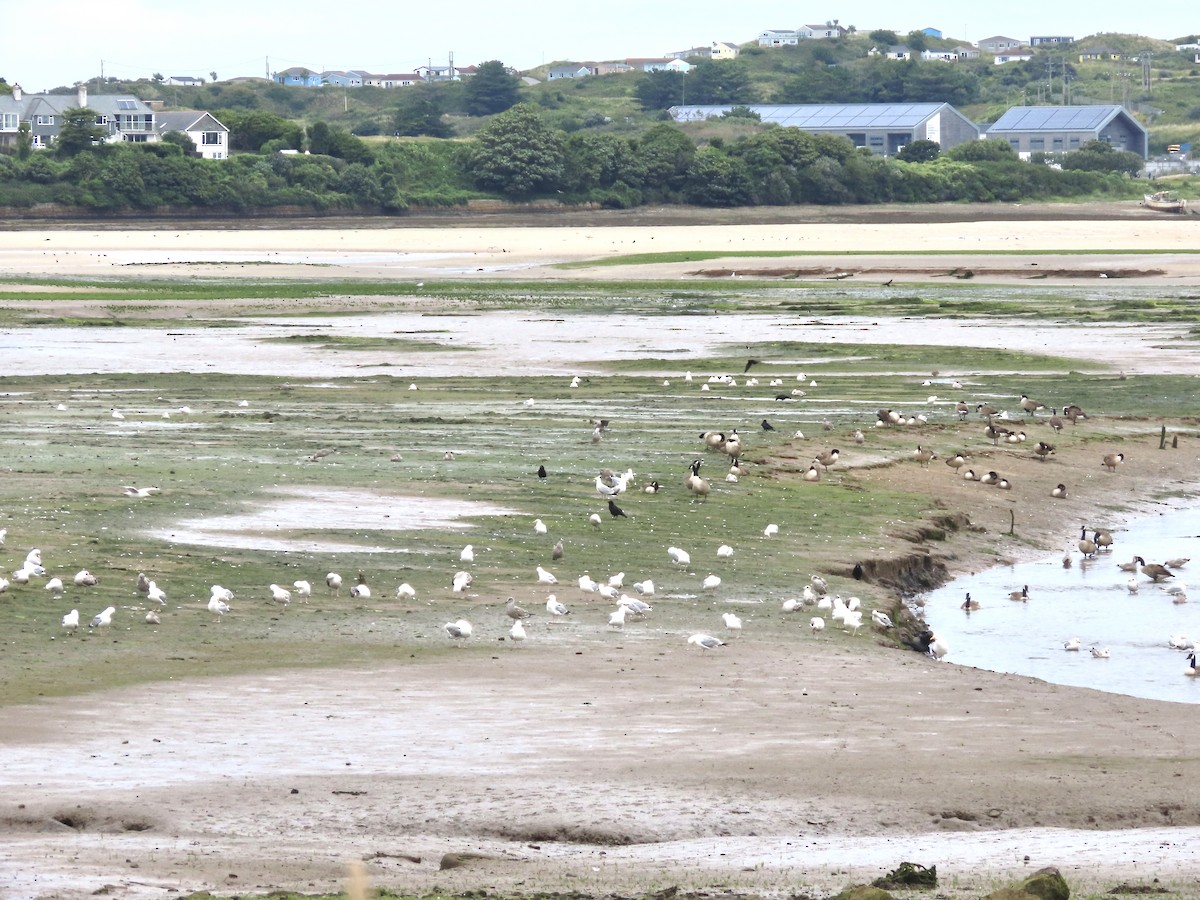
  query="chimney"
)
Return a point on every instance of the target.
[
  {"x": 82, "y": 95},
  {"x": 16, "y": 93}
]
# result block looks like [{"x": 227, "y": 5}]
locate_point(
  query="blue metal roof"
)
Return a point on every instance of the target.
[{"x": 1057, "y": 118}]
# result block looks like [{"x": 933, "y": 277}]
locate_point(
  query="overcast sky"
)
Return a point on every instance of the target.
[{"x": 60, "y": 42}]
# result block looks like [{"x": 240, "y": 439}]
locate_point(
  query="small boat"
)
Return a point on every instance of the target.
[{"x": 1164, "y": 201}]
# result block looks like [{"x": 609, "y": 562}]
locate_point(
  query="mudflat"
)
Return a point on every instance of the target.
[{"x": 600, "y": 760}]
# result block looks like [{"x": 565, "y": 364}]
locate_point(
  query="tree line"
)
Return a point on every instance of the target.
[{"x": 518, "y": 156}]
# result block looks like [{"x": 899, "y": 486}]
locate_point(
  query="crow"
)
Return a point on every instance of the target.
[
  {"x": 749, "y": 363},
  {"x": 615, "y": 511},
  {"x": 541, "y": 471},
  {"x": 888, "y": 283},
  {"x": 767, "y": 426}
]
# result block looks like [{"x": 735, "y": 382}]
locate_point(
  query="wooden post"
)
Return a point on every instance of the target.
[{"x": 1162, "y": 439}]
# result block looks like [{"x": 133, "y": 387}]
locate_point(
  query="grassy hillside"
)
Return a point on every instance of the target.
[{"x": 1161, "y": 85}]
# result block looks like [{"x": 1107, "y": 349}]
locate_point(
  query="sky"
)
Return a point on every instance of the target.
[{"x": 132, "y": 39}]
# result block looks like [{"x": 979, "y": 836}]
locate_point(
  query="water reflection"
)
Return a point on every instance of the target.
[{"x": 1089, "y": 601}]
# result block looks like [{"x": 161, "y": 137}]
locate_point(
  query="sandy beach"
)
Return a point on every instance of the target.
[{"x": 621, "y": 762}]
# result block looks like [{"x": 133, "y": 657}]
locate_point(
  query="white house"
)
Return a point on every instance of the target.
[
  {"x": 776, "y": 37},
  {"x": 809, "y": 32},
  {"x": 1002, "y": 58},
  {"x": 184, "y": 81},
  {"x": 209, "y": 135}
]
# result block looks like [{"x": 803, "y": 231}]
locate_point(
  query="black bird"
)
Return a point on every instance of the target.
[
  {"x": 888, "y": 283},
  {"x": 749, "y": 363},
  {"x": 541, "y": 471},
  {"x": 615, "y": 511},
  {"x": 767, "y": 426},
  {"x": 858, "y": 571}
]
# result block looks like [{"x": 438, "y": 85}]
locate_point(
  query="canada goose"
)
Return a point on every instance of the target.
[
  {"x": 1056, "y": 423},
  {"x": 1086, "y": 547},
  {"x": 733, "y": 443},
  {"x": 1072, "y": 644},
  {"x": 713, "y": 439},
  {"x": 1191, "y": 669},
  {"x": 970, "y": 475},
  {"x": 962, "y": 409},
  {"x": 1004, "y": 484},
  {"x": 515, "y": 612},
  {"x": 924, "y": 456},
  {"x": 1042, "y": 450},
  {"x": 1112, "y": 460},
  {"x": 812, "y": 473},
  {"x": 986, "y": 410},
  {"x": 990, "y": 477},
  {"x": 1022, "y": 595},
  {"x": 887, "y": 417},
  {"x": 1132, "y": 565},
  {"x": 1103, "y": 539},
  {"x": 1015, "y": 437},
  {"x": 1100, "y": 653},
  {"x": 652, "y": 488},
  {"x": 695, "y": 483},
  {"x": 1156, "y": 572},
  {"x": 828, "y": 457},
  {"x": 1073, "y": 413},
  {"x": 968, "y": 605},
  {"x": 956, "y": 462},
  {"x": 1059, "y": 492},
  {"x": 1030, "y": 406},
  {"x": 996, "y": 432},
  {"x": 736, "y": 467}
]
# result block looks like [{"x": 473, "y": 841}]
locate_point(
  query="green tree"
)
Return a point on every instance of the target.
[
  {"x": 420, "y": 113},
  {"x": 492, "y": 89},
  {"x": 720, "y": 82},
  {"x": 517, "y": 154},
  {"x": 917, "y": 41},
  {"x": 1100, "y": 156},
  {"x": 990, "y": 150},
  {"x": 667, "y": 153},
  {"x": 185, "y": 143},
  {"x": 659, "y": 90},
  {"x": 24, "y": 141},
  {"x": 78, "y": 132},
  {"x": 884, "y": 38},
  {"x": 250, "y": 129},
  {"x": 920, "y": 151},
  {"x": 714, "y": 179}
]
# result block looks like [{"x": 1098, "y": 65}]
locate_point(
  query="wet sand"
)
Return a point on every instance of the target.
[{"x": 621, "y": 762}]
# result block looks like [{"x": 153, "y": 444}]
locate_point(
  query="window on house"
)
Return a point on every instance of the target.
[
  {"x": 1074, "y": 143},
  {"x": 9, "y": 121},
  {"x": 1037, "y": 143},
  {"x": 1058, "y": 143},
  {"x": 875, "y": 141},
  {"x": 210, "y": 137},
  {"x": 1015, "y": 144}
]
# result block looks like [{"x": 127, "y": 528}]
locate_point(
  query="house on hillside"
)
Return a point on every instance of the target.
[
  {"x": 940, "y": 55},
  {"x": 724, "y": 50},
  {"x": 966, "y": 51},
  {"x": 896, "y": 51},
  {"x": 1004, "y": 58},
  {"x": 121, "y": 117},
  {"x": 610, "y": 68},
  {"x": 298, "y": 76},
  {"x": 392, "y": 80},
  {"x": 692, "y": 53},
  {"x": 1051, "y": 40},
  {"x": 1058, "y": 129},
  {"x": 999, "y": 44},
  {"x": 183, "y": 81},
  {"x": 660, "y": 64},
  {"x": 883, "y": 128},
  {"x": 207, "y": 133},
  {"x": 1098, "y": 53},
  {"x": 778, "y": 37},
  {"x": 337, "y": 78},
  {"x": 828, "y": 30},
  {"x": 932, "y": 32},
  {"x": 568, "y": 71}
]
